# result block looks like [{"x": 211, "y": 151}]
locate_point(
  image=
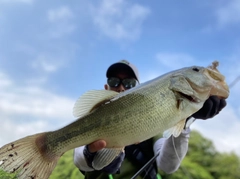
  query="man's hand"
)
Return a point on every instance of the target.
[
  {"x": 90, "y": 151},
  {"x": 96, "y": 146},
  {"x": 212, "y": 106}
]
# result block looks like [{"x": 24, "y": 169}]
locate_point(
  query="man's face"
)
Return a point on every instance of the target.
[{"x": 121, "y": 87}]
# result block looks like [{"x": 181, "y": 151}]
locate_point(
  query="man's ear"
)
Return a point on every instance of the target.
[{"x": 106, "y": 87}]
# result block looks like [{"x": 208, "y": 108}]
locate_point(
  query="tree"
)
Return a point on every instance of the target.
[
  {"x": 66, "y": 169},
  {"x": 203, "y": 161},
  {"x": 225, "y": 165},
  {"x": 5, "y": 175}
]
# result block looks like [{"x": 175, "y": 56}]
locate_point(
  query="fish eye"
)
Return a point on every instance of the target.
[{"x": 195, "y": 69}]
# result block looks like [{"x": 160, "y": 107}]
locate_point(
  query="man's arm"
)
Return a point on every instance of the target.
[
  {"x": 80, "y": 161},
  {"x": 172, "y": 151}
]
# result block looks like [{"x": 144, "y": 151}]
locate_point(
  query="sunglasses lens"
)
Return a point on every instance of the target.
[
  {"x": 113, "y": 82},
  {"x": 129, "y": 83}
]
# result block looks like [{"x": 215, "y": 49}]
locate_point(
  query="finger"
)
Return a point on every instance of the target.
[
  {"x": 205, "y": 111},
  {"x": 222, "y": 104},
  {"x": 207, "y": 108},
  {"x": 97, "y": 145},
  {"x": 215, "y": 106}
]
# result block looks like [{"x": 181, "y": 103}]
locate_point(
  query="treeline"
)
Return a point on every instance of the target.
[{"x": 203, "y": 161}]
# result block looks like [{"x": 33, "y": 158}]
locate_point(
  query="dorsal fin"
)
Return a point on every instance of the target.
[{"x": 90, "y": 100}]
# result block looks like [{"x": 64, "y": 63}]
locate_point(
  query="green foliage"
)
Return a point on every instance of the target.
[
  {"x": 66, "y": 169},
  {"x": 226, "y": 165},
  {"x": 204, "y": 162},
  {"x": 201, "y": 162},
  {"x": 5, "y": 175},
  {"x": 189, "y": 169}
]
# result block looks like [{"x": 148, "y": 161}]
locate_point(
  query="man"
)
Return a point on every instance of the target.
[{"x": 122, "y": 76}]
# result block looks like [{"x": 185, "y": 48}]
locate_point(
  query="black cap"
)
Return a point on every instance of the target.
[{"x": 122, "y": 65}]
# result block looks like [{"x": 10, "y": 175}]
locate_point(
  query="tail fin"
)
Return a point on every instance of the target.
[{"x": 27, "y": 159}]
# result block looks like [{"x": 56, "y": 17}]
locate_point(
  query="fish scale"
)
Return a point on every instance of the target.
[{"x": 126, "y": 125}]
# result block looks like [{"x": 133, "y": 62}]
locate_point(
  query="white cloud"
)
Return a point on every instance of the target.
[
  {"x": 175, "y": 60},
  {"x": 59, "y": 14},
  {"x": 17, "y": 1},
  {"x": 229, "y": 14},
  {"x": 61, "y": 30},
  {"x": 11, "y": 130},
  {"x": 30, "y": 109},
  {"x": 35, "y": 102},
  {"x": 46, "y": 63},
  {"x": 48, "y": 67},
  {"x": 61, "y": 20},
  {"x": 4, "y": 81},
  {"x": 167, "y": 62},
  {"x": 223, "y": 130},
  {"x": 119, "y": 19}
]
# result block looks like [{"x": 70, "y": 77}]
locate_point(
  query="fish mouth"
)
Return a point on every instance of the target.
[
  {"x": 220, "y": 87},
  {"x": 190, "y": 98}
]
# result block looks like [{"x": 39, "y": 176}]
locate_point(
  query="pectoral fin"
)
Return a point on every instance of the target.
[
  {"x": 175, "y": 130},
  {"x": 105, "y": 156},
  {"x": 91, "y": 100}
]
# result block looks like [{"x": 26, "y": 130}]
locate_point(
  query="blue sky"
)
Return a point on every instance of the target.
[{"x": 51, "y": 52}]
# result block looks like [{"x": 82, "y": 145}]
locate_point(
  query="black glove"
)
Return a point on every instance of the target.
[
  {"x": 212, "y": 106},
  {"x": 111, "y": 168},
  {"x": 88, "y": 156}
]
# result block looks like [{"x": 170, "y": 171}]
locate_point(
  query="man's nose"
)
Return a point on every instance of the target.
[{"x": 121, "y": 88}]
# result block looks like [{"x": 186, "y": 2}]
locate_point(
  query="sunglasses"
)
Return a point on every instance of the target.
[{"x": 127, "y": 83}]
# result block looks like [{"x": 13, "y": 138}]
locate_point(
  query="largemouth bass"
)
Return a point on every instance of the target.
[{"x": 159, "y": 106}]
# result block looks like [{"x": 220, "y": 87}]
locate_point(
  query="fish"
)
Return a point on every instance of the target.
[{"x": 158, "y": 106}]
